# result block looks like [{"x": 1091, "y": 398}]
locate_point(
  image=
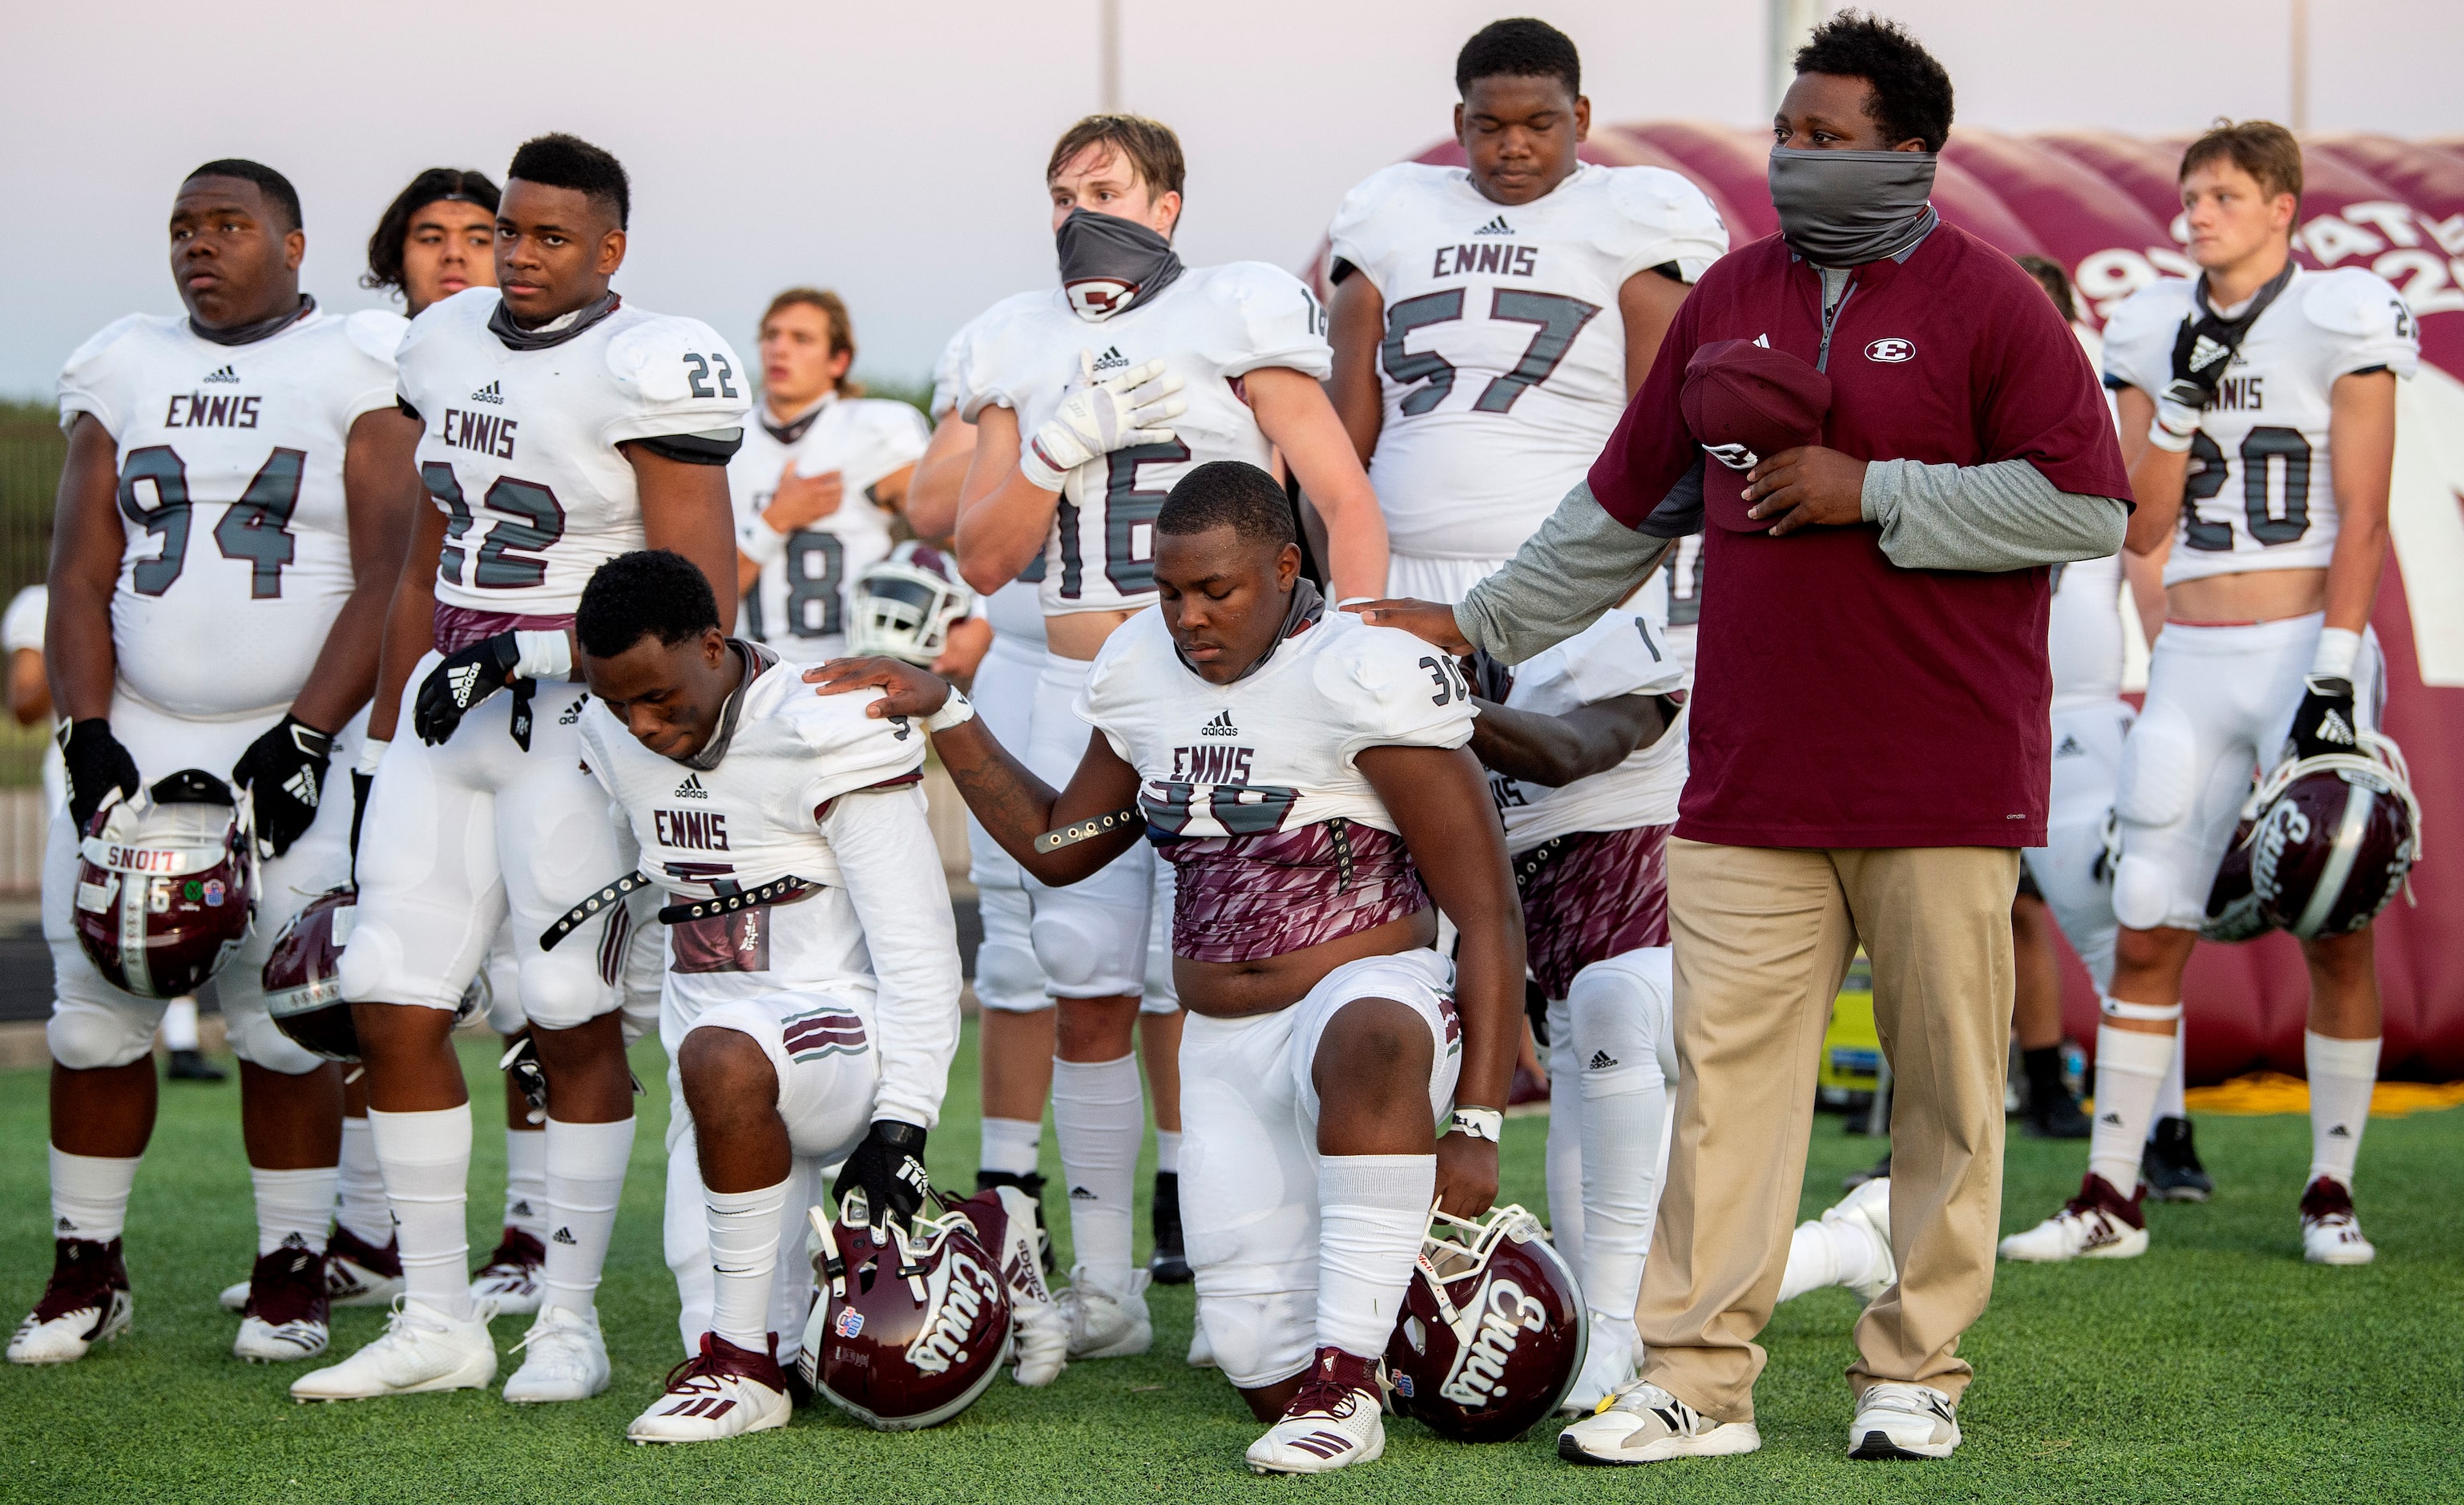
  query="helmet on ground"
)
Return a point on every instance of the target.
[
  {"x": 905, "y": 604},
  {"x": 2333, "y": 838},
  {"x": 908, "y": 1328},
  {"x": 166, "y": 885},
  {"x": 1493, "y": 1330}
]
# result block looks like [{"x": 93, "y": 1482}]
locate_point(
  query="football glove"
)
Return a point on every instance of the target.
[
  {"x": 96, "y": 764},
  {"x": 285, "y": 770},
  {"x": 2325, "y": 722},
  {"x": 888, "y": 1168},
  {"x": 467, "y": 677},
  {"x": 1100, "y": 417},
  {"x": 2199, "y": 362}
]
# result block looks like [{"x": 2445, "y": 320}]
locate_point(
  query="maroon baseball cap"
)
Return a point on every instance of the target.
[{"x": 1745, "y": 403}]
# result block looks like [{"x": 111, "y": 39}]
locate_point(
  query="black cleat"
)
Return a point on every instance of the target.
[
  {"x": 2057, "y": 1116},
  {"x": 2170, "y": 1165},
  {"x": 191, "y": 1066},
  {"x": 1170, "y": 1264},
  {"x": 1032, "y": 1185}
]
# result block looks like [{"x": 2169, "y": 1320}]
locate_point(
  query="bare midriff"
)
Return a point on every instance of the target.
[
  {"x": 1235, "y": 989},
  {"x": 1081, "y": 634},
  {"x": 2258, "y": 595}
]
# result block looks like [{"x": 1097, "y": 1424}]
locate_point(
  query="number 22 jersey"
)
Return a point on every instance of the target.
[{"x": 520, "y": 445}]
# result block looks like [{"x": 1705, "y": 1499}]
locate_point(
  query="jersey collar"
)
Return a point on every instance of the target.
[
  {"x": 796, "y": 427},
  {"x": 262, "y": 329},
  {"x": 757, "y": 661},
  {"x": 556, "y": 331}
]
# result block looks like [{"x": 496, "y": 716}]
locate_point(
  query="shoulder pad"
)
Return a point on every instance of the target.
[
  {"x": 468, "y": 308},
  {"x": 852, "y": 750},
  {"x": 377, "y": 333},
  {"x": 648, "y": 359},
  {"x": 2349, "y": 301},
  {"x": 992, "y": 359},
  {"x": 1393, "y": 688},
  {"x": 1372, "y": 194},
  {"x": 81, "y": 363},
  {"x": 893, "y": 420},
  {"x": 1664, "y": 201},
  {"x": 2138, "y": 335}
]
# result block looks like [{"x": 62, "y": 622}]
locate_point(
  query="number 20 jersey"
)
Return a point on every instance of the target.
[
  {"x": 2260, "y": 490},
  {"x": 1503, "y": 366},
  {"x": 238, "y": 551},
  {"x": 1211, "y": 327},
  {"x": 519, "y": 448}
]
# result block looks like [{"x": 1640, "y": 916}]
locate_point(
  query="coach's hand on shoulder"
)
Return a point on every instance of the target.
[
  {"x": 905, "y": 690},
  {"x": 888, "y": 1168},
  {"x": 1432, "y": 622},
  {"x": 285, "y": 770},
  {"x": 1803, "y": 487},
  {"x": 466, "y": 677},
  {"x": 1467, "y": 1175},
  {"x": 97, "y": 764}
]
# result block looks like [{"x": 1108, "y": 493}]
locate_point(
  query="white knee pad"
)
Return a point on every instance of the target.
[
  {"x": 87, "y": 1034},
  {"x": 2160, "y": 772},
  {"x": 2143, "y": 890},
  {"x": 1007, "y": 978},
  {"x": 558, "y": 995},
  {"x": 1260, "y": 1339},
  {"x": 1085, "y": 952},
  {"x": 1620, "y": 1012}
]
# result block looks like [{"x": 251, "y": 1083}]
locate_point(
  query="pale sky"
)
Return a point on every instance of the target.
[{"x": 895, "y": 151}]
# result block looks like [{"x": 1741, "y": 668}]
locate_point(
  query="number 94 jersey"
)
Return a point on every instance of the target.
[
  {"x": 519, "y": 448},
  {"x": 1211, "y": 327},
  {"x": 238, "y": 549},
  {"x": 2260, "y": 490}
]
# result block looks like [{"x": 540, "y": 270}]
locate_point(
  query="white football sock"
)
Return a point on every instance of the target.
[
  {"x": 90, "y": 1195},
  {"x": 426, "y": 1163},
  {"x": 1167, "y": 1152},
  {"x": 2169, "y": 1102},
  {"x": 743, "y": 1257},
  {"x": 180, "y": 1025},
  {"x": 2342, "y": 1075},
  {"x": 1822, "y": 1254},
  {"x": 293, "y": 1203},
  {"x": 1099, "y": 1117},
  {"x": 585, "y": 1179},
  {"x": 526, "y": 1182},
  {"x": 1373, "y": 1211},
  {"x": 1010, "y": 1147},
  {"x": 2129, "y": 1068},
  {"x": 360, "y": 1199},
  {"x": 1564, "y": 1160},
  {"x": 1626, "y": 1113}
]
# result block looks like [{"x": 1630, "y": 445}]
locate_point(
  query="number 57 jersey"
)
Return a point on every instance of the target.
[{"x": 520, "y": 447}]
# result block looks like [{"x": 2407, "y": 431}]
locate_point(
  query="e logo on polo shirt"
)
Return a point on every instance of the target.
[{"x": 1891, "y": 351}]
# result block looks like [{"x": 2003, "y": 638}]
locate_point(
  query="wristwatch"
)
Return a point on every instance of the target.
[{"x": 1479, "y": 1123}]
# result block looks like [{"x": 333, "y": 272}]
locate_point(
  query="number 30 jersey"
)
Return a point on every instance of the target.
[
  {"x": 1211, "y": 327},
  {"x": 1503, "y": 366},
  {"x": 238, "y": 552},
  {"x": 798, "y": 606},
  {"x": 520, "y": 446},
  {"x": 2260, "y": 490}
]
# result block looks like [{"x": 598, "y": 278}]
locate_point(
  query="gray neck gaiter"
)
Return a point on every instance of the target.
[
  {"x": 1108, "y": 263},
  {"x": 1844, "y": 208}
]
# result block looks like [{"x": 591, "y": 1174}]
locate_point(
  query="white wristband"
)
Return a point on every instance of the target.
[
  {"x": 544, "y": 655},
  {"x": 371, "y": 753},
  {"x": 2167, "y": 439},
  {"x": 760, "y": 542},
  {"x": 1040, "y": 472},
  {"x": 955, "y": 711},
  {"x": 1480, "y": 1123},
  {"x": 2340, "y": 649}
]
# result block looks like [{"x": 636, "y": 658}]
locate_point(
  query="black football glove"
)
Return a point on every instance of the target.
[
  {"x": 96, "y": 764},
  {"x": 888, "y": 1167},
  {"x": 2325, "y": 722},
  {"x": 2200, "y": 356},
  {"x": 467, "y": 677},
  {"x": 286, "y": 769}
]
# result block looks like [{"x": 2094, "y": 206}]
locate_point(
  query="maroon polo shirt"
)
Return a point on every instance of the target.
[{"x": 1839, "y": 699}]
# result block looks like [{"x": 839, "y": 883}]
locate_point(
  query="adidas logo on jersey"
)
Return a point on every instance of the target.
[
  {"x": 691, "y": 789},
  {"x": 225, "y": 374},
  {"x": 564, "y": 1236},
  {"x": 1111, "y": 360},
  {"x": 573, "y": 712},
  {"x": 1495, "y": 227},
  {"x": 490, "y": 393},
  {"x": 1220, "y": 726},
  {"x": 1601, "y": 1060},
  {"x": 2069, "y": 748}
]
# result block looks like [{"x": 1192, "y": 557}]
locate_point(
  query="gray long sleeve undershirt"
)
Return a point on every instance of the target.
[
  {"x": 1581, "y": 562},
  {"x": 1986, "y": 517}
]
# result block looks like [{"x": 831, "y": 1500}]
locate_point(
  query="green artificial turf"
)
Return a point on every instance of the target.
[{"x": 2218, "y": 1367}]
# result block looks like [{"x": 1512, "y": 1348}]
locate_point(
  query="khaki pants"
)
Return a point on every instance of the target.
[{"x": 1763, "y": 938}]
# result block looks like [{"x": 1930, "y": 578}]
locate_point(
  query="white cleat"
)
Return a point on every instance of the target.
[
  {"x": 1039, "y": 1335},
  {"x": 1866, "y": 1212},
  {"x": 563, "y": 1359},
  {"x": 286, "y": 1318},
  {"x": 513, "y": 1278},
  {"x": 2331, "y": 1234},
  {"x": 86, "y": 1303},
  {"x": 1104, "y": 1323},
  {"x": 2097, "y": 1224},
  {"x": 722, "y": 1391},
  {"x": 1644, "y": 1423},
  {"x": 1202, "y": 1353},
  {"x": 421, "y": 1349},
  {"x": 1903, "y": 1421},
  {"x": 1333, "y": 1423},
  {"x": 1608, "y": 1365}
]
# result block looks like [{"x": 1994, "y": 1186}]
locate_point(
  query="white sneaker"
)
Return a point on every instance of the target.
[
  {"x": 2097, "y": 1224},
  {"x": 1104, "y": 1323},
  {"x": 1644, "y": 1423},
  {"x": 1039, "y": 1335},
  {"x": 85, "y": 1302},
  {"x": 1903, "y": 1421},
  {"x": 2331, "y": 1232},
  {"x": 512, "y": 1278},
  {"x": 1866, "y": 1212},
  {"x": 286, "y": 1317},
  {"x": 1202, "y": 1353},
  {"x": 722, "y": 1391},
  {"x": 563, "y": 1359},
  {"x": 1333, "y": 1423},
  {"x": 421, "y": 1349},
  {"x": 1608, "y": 1365}
]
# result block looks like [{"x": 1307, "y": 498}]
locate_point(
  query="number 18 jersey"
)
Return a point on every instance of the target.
[
  {"x": 520, "y": 446},
  {"x": 798, "y": 606}
]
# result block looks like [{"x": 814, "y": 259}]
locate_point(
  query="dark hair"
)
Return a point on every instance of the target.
[
  {"x": 1228, "y": 493},
  {"x": 1521, "y": 48},
  {"x": 655, "y": 592},
  {"x": 558, "y": 160},
  {"x": 834, "y": 310},
  {"x": 1911, "y": 92},
  {"x": 2263, "y": 148},
  {"x": 276, "y": 188},
  {"x": 2056, "y": 282},
  {"x": 1149, "y": 145},
  {"x": 393, "y": 226}
]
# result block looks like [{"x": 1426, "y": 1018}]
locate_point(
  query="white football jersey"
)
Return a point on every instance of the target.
[
  {"x": 2260, "y": 494},
  {"x": 1503, "y": 368},
  {"x": 772, "y": 809},
  {"x": 2084, "y": 631},
  {"x": 238, "y": 553},
  {"x": 1272, "y": 751},
  {"x": 799, "y": 605},
  {"x": 1211, "y": 327},
  {"x": 1625, "y": 652},
  {"x": 520, "y": 448}
]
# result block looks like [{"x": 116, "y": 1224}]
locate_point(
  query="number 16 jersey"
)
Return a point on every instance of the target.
[{"x": 520, "y": 446}]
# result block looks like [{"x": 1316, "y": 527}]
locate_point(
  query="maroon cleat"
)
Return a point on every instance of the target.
[
  {"x": 288, "y": 1314},
  {"x": 86, "y": 1303}
]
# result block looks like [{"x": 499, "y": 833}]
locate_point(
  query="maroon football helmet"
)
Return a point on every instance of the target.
[
  {"x": 2333, "y": 840},
  {"x": 1745, "y": 403},
  {"x": 303, "y": 981},
  {"x": 1493, "y": 1329},
  {"x": 166, "y": 885},
  {"x": 908, "y": 1328},
  {"x": 2234, "y": 913}
]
